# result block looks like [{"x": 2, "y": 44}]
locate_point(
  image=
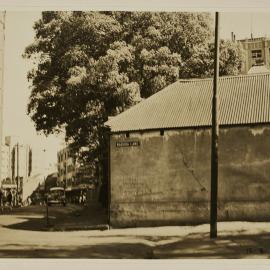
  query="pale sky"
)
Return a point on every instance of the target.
[
  {"x": 19, "y": 34},
  {"x": 242, "y": 23}
]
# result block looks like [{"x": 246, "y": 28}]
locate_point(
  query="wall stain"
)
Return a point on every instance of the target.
[{"x": 191, "y": 171}]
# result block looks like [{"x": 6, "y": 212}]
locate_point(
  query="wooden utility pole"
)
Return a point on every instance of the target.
[{"x": 215, "y": 134}]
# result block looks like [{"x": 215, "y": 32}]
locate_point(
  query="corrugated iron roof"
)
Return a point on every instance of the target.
[
  {"x": 258, "y": 69},
  {"x": 243, "y": 99}
]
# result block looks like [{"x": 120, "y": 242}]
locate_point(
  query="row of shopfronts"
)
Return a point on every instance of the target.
[
  {"x": 74, "y": 187},
  {"x": 73, "y": 178},
  {"x": 15, "y": 187}
]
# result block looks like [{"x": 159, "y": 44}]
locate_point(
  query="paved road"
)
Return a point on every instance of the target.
[
  {"x": 60, "y": 217},
  {"x": 22, "y": 236}
]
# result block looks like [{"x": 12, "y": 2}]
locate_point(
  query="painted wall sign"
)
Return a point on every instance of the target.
[{"x": 127, "y": 144}]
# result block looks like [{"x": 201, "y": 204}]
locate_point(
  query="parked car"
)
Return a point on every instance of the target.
[{"x": 57, "y": 195}]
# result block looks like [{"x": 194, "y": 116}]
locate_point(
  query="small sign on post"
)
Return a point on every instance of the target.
[{"x": 47, "y": 212}]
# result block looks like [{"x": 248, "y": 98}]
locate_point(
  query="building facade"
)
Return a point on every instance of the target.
[
  {"x": 21, "y": 161},
  {"x": 160, "y": 155},
  {"x": 2, "y": 48},
  {"x": 5, "y": 162},
  {"x": 17, "y": 167},
  {"x": 257, "y": 53},
  {"x": 7, "y": 147},
  {"x": 71, "y": 174},
  {"x": 66, "y": 167}
]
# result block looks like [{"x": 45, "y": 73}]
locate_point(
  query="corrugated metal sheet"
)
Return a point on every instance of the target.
[
  {"x": 258, "y": 69},
  {"x": 187, "y": 103}
]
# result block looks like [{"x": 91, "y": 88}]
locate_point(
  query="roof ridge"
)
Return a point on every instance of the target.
[
  {"x": 144, "y": 100},
  {"x": 225, "y": 77}
]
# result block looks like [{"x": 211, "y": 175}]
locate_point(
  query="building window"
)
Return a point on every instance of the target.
[
  {"x": 162, "y": 132},
  {"x": 256, "y": 53},
  {"x": 127, "y": 135}
]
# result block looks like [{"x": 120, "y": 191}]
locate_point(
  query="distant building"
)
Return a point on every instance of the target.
[
  {"x": 30, "y": 169},
  {"x": 2, "y": 47},
  {"x": 5, "y": 163},
  {"x": 70, "y": 173},
  {"x": 6, "y": 157},
  {"x": 17, "y": 166},
  {"x": 18, "y": 158},
  {"x": 66, "y": 167},
  {"x": 21, "y": 161},
  {"x": 257, "y": 53}
]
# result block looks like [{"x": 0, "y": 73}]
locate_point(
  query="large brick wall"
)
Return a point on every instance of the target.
[{"x": 166, "y": 179}]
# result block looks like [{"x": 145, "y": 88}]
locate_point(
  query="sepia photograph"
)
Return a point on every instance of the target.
[{"x": 134, "y": 134}]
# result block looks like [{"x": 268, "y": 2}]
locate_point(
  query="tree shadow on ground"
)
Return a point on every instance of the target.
[
  {"x": 28, "y": 223},
  {"x": 60, "y": 218},
  {"x": 196, "y": 246},
  {"x": 199, "y": 245},
  {"x": 100, "y": 251}
]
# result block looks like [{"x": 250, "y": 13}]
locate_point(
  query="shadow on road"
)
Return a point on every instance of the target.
[
  {"x": 193, "y": 246},
  {"x": 235, "y": 240},
  {"x": 100, "y": 251},
  {"x": 28, "y": 223},
  {"x": 60, "y": 218},
  {"x": 199, "y": 245}
]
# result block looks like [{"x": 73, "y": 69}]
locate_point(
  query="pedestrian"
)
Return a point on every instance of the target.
[
  {"x": 28, "y": 201},
  {"x": 80, "y": 198},
  {"x": 84, "y": 198},
  {"x": 13, "y": 193},
  {"x": 20, "y": 202},
  {"x": 9, "y": 200}
]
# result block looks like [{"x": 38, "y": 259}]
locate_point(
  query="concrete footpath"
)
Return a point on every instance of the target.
[
  {"x": 81, "y": 232},
  {"x": 236, "y": 240}
]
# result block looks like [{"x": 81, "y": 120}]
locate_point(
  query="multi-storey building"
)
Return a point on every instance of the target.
[
  {"x": 6, "y": 157},
  {"x": 257, "y": 53},
  {"x": 2, "y": 43},
  {"x": 16, "y": 166},
  {"x": 21, "y": 161},
  {"x": 66, "y": 167},
  {"x": 16, "y": 159},
  {"x": 70, "y": 173},
  {"x": 5, "y": 163}
]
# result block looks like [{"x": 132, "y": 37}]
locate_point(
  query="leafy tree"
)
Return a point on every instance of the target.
[
  {"x": 91, "y": 65},
  {"x": 201, "y": 63},
  {"x": 231, "y": 57},
  {"x": 159, "y": 68},
  {"x": 168, "y": 37}
]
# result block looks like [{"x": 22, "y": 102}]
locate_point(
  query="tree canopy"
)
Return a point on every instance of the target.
[{"x": 91, "y": 65}]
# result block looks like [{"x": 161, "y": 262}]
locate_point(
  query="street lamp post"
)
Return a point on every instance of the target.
[
  {"x": 18, "y": 175},
  {"x": 47, "y": 207},
  {"x": 47, "y": 213}
]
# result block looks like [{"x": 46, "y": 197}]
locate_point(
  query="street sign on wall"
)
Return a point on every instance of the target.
[{"x": 127, "y": 144}]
